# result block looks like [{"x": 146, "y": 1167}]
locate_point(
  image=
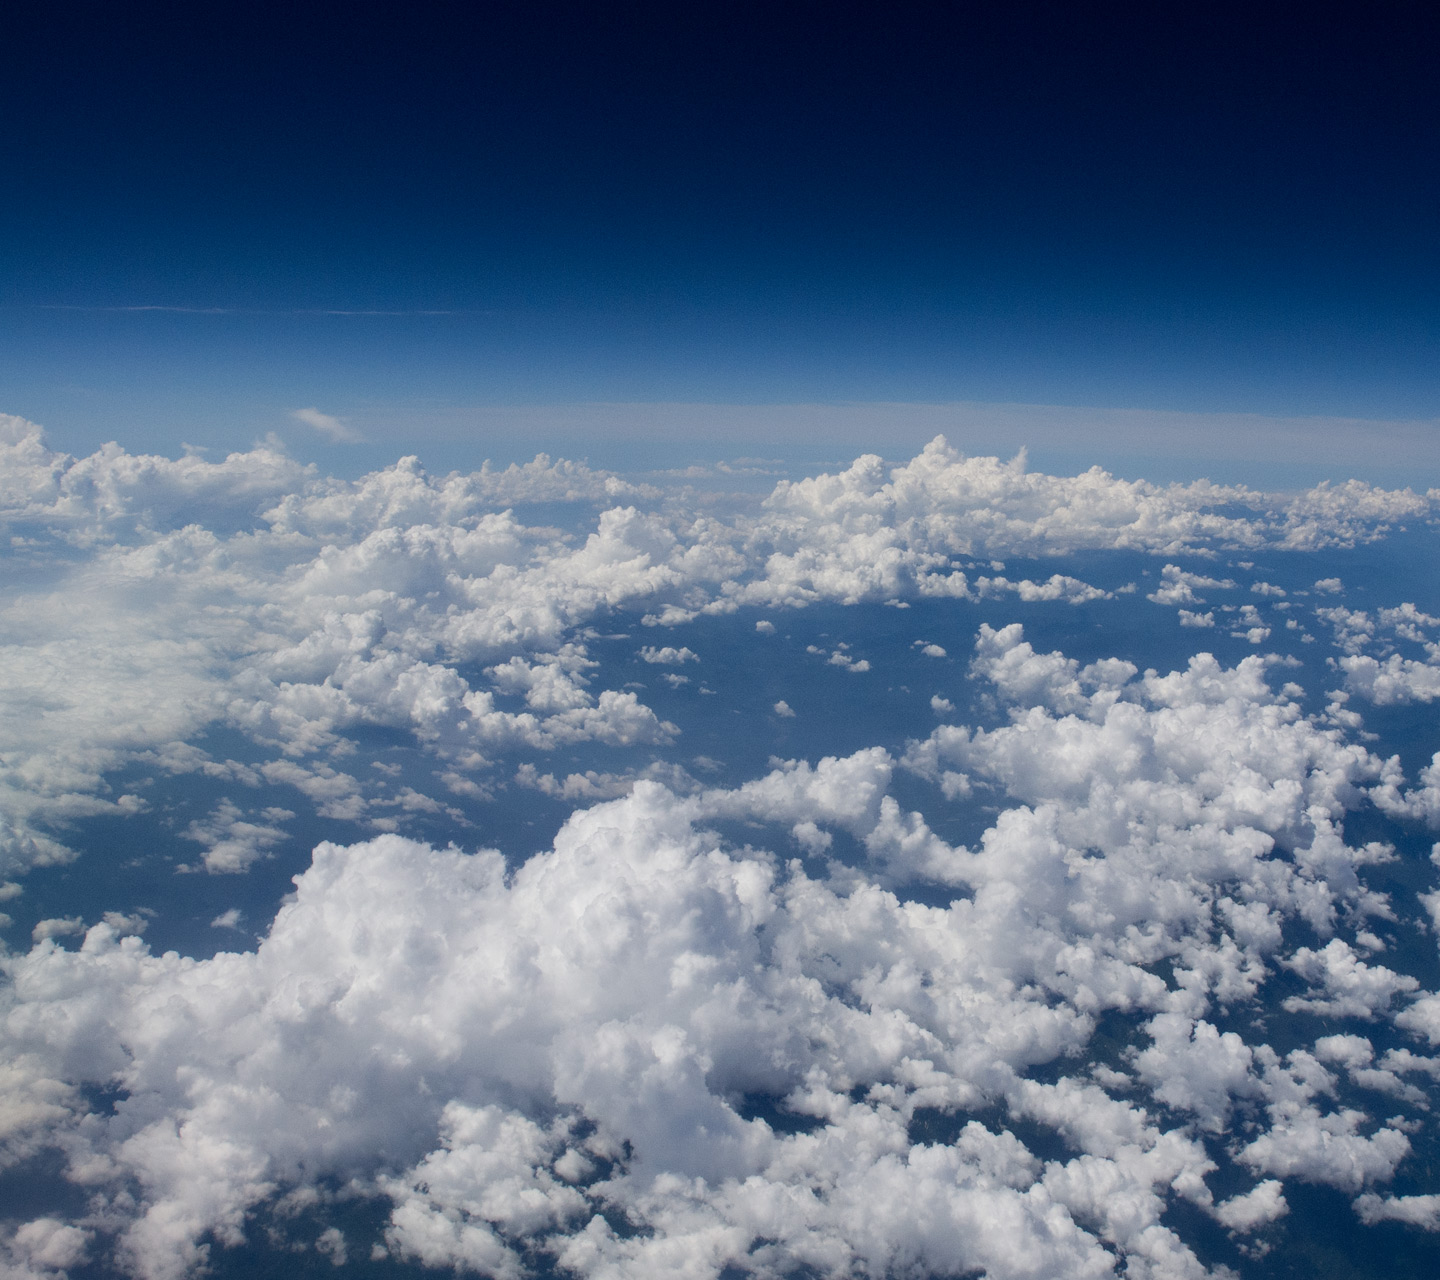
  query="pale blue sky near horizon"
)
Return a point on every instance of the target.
[{"x": 1262, "y": 451}]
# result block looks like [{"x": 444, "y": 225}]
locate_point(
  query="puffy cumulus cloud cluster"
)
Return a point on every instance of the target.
[
  {"x": 154, "y": 598},
  {"x": 42, "y": 1250},
  {"x": 151, "y": 599},
  {"x": 1178, "y": 587},
  {"x": 870, "y": 530},
  {"x": 1391, "y": 677},
  {"x": 1376, "y": 668},
  {"x": 114, "y": 494},
  {"x": 650, "y": 1051}
]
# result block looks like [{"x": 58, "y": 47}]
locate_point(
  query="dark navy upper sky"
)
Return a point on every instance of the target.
[{"x": 1165, "y": 206}]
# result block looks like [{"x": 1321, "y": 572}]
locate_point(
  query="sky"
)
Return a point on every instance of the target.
[
  {"x": 735, "y": 642},
  {"x": 412, "y": 219}
]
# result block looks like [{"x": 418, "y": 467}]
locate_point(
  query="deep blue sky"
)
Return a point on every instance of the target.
[{"x": 1202, "y": 207}]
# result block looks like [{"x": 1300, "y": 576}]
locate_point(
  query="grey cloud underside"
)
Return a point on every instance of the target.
[{"x": 557, "y": 1062}]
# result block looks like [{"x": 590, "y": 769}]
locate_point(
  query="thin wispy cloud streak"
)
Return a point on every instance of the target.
[
  {"x": 332, "y": 428},
  {"x": 262, "y": 311}
]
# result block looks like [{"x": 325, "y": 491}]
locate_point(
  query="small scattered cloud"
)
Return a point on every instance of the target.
[
  {"x": 127, "y": 923},
  {"x": 839, "y": 658},
  {"x": 782, "y": 709},
  {"x": 332, "y": 1244},
  {"x": 668, "y": 655},
  {"x": 57, "y": 927},
  {"x": 1178, "y": 587},
  {"x": 232, "y": 842}
]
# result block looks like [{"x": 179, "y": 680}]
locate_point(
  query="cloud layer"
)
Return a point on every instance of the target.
[
  {"x": 777, "y": 1026},
  {"x": 564, "y": 1058},
  {"x": 254, "y": 594}
]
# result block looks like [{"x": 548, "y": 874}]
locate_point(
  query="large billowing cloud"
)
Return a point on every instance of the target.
[{"x": 648, "y": 1051}]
